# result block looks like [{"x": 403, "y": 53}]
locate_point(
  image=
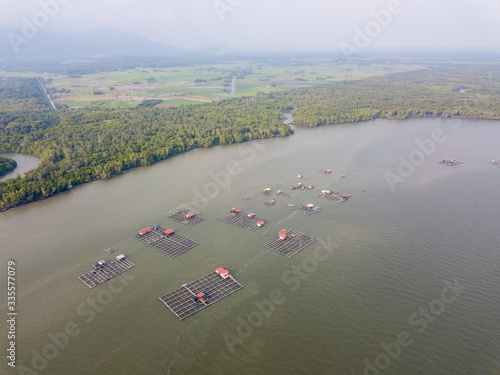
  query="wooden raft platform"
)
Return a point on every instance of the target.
[
  {"x": 187, "y": 216},
  {"x": 183, "y": 302},
  {"x": 292, "y": 244},
  {"x": 242, "y": 220},
  {"x": 335, "y": 196},
  {"x": 173, "y": 244},
  {"x": 102, "y": 273}
]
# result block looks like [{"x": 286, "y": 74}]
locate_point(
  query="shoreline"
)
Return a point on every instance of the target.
[
  {"x": 3, "y": 209},
  {"x": 398, "y": 119}
]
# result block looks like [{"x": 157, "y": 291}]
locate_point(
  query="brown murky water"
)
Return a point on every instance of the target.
[{"x": 377, "y": 299}]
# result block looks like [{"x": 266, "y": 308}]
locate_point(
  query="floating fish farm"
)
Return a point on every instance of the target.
[
  {"x": 272, "y": 202},
  {"x": 165, "y": 240},
  {"x": 334, "y": 196},
  {"x": 451, "y": 163},
  {"x": 243, "y": 220},
  {"x": 187, "y": 217},
  {"x": 306, "y": 209},
  {"x": 300, "y": 186},
  {"x": 289, "y": 242},
  {"x": 104, "y": 271},
  {"x": 199, "y": 294}
]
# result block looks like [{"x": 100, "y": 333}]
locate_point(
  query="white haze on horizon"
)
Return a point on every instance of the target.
[{"x": 273, "y": 25}]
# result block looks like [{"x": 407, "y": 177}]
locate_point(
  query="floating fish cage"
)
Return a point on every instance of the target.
[
  {"x": 104, "y": 271},
  {"x": 289, "y": 242},
  {"x": 301, "y": 186},
  {"x": 306, "y": 209},
  {"x": 243, "y": 220},
  {"x": 334, "y": 196},
  {"x": 167, "y": 241},
  {"x": 187, "y": 216},
  {"x": 451, "y": 163},
  {"x": 197, "y": 295},
  {"x": 272, "y": 202}
]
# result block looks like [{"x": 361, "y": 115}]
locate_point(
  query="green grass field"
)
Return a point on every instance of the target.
[{"x": 180, "y": 85}]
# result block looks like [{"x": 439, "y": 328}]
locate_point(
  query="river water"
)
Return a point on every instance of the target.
[
  {"x": 382, "y": 282},
  {"x": 24, "y": 164}
]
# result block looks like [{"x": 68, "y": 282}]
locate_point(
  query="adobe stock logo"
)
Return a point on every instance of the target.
[
  {"x": 30, "y": 28},
  {"x": 222, "y": 179},
  {"x": 380, "y": 20},
  {"x": 416, "y": 158},
  {"x": 224, "y": 6},
  {"x": 420, "y": 320}
]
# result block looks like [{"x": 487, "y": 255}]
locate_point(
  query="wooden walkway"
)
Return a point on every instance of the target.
[
  {"x": 180, "y": 217},
  {"x": 182, "y": 303},
  {"x": 173, "y": 245},
  {"x": 335, "y": 196},
  {"x": 242, "y": 220},
  {"x": 106, "y": 272},
  {"x": 293, "y": 244}
]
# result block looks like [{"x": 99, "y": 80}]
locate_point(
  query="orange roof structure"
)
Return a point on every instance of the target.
[{"x": 223, "y": 272}]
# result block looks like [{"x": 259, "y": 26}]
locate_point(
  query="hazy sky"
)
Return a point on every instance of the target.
[{"x": 276, "y": 24}]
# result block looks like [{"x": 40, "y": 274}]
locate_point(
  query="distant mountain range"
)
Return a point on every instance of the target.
[{"x": 63, "y": 44}]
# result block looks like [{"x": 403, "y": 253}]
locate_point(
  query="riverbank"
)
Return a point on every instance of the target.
[
  {"x": 28, "y": 163},
  {"x": 83, "y": 146},
  {"x": 398, "y": 119},
  {"x": 287, "y": 120}
]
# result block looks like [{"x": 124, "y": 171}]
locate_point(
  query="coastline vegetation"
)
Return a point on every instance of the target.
[
  {"x": 83, "y": 145},
  {"x": 471, "y": 92},
  {"x": 80, "y": 146}
]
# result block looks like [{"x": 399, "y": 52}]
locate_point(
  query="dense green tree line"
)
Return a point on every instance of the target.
[
  {"x": 18, "y": 92},
  {"x": 78, "y": 146},
  {"x": 6, "y": 165},
  {"x": 461, "y": 91}
]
